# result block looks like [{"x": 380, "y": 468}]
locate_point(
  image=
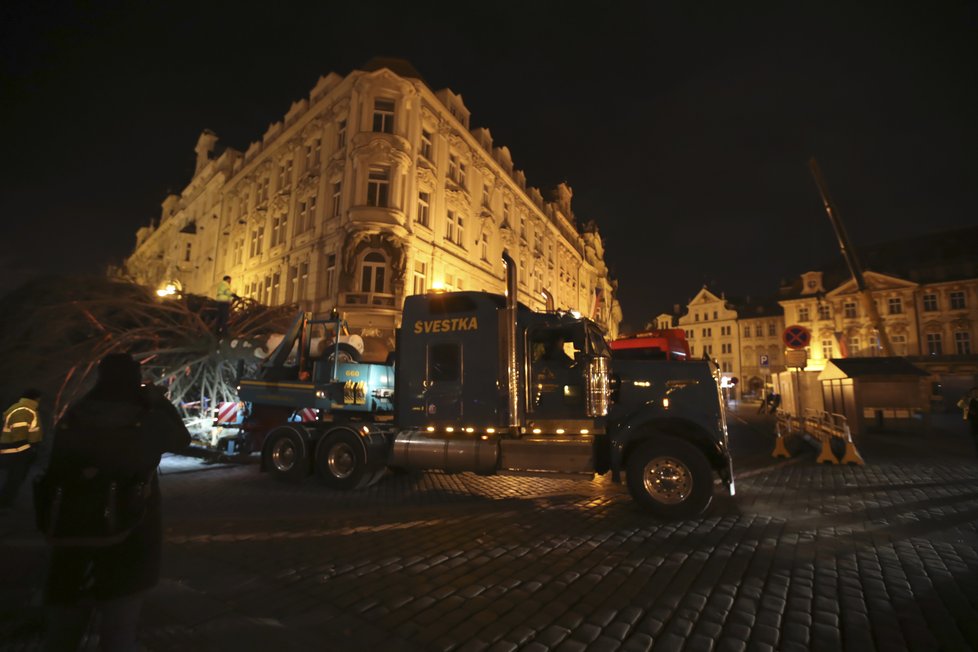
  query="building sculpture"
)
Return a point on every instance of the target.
[{"x": 369, "y": 190}]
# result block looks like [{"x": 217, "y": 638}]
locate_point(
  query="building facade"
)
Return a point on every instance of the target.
[
  {"x": 744, "y": 338},
  {"x": 369, "y": 190}
]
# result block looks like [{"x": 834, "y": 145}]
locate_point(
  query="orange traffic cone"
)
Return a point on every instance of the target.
[
  {"x": 779, "y": 448},
  {"x": 826, "y": 455}
]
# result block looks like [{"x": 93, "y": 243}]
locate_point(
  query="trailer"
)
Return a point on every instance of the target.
[{"x": 482, "y": 384}]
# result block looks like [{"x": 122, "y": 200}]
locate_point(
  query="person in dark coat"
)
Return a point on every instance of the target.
[
  {"x": 112, "y": 579},
  {"x": 969, "y": 410}
]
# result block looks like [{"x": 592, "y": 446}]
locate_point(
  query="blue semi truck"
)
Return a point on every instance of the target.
[{"x": 480, "y": 383}]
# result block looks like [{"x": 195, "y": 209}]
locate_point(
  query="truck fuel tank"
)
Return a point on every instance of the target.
[{"x": 455, "y": 454}]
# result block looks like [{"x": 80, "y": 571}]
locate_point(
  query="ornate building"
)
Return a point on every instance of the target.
[
  {"x": 743, "y": 336},
  {"x": 371, "y": 189}
]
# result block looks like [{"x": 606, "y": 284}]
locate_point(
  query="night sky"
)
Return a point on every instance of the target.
[{"x": 684, "y": 128}]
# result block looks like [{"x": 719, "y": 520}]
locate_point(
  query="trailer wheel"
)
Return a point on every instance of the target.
[
  {"x": 670, "y": 478},
  {"x": 341, "y": 461},
  {"x": 285, "y": 454}
]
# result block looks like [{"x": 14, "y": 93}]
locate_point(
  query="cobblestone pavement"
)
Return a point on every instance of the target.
[{"x": 803, "y": 558}]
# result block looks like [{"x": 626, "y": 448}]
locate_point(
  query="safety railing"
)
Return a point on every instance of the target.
[{"x": 823, "y": 427}]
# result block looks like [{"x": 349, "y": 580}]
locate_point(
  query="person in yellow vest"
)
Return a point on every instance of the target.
[
  {"x": 224, "y": 297},
  {"x": 18, "y": 443}
]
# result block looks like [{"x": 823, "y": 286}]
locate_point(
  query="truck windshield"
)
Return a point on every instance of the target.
[{"x": 598, "y": 345}]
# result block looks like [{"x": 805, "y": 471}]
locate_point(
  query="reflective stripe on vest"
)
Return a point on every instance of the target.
[{"x": 34, "y": 425}]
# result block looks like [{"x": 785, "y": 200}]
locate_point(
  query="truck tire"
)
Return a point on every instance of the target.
[
  {"x": 341, "y": 461},
  {"x": 286, "y": 456},
  {"x": 670, "y": 478}
]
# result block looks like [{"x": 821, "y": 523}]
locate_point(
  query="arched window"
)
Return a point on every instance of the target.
[{"x": 373, "y": 275}]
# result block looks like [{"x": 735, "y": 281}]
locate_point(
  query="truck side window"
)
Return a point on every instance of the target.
[{"x": 444, "y": 362}]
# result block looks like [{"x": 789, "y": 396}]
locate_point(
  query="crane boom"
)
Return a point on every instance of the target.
[{"x": 852, "y": 261}]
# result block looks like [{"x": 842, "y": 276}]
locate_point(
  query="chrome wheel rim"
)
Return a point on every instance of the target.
[
  {"x": 667, "y": 480},
  {"x": 342, "y": 461},
  {"x": 283, "y": 455}
]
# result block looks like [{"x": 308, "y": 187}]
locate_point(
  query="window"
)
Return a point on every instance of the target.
[
  {"x": 746, "y": 331},
  {"x": 484, "y": 246},
  {"x": 341, "y": 134},
  {"x": 444, "y": 362},
  {"x": 268, "y": 291},
  {"x": 485, "y": 195},
  {"x": 930, "y": 303},
  {"x": 312, "y": 155},
  {"x": 827, "y": 349},
  {"x": 426, "y": 144},
  {"x": 714, "y": 314},
  {"x": 261, "y": 196},
  {"x": 238, "y": 251},
  {"x": 279, "y": 223},
  {"x": 849, "y": 310},
  {"x": 899, "y": 343},
  {"x": 303, "y": 281},
  {"x": 384, "y": 116},
  {"x": 378, "y": 185},
  {"x": 824, "y": 311},
  {"x": 523, "y": 227},
  {"x": 330, "y": 274},
  {"x": 934, "y": 344},
  {"x": 285, "y": 175},
  {"x": 728, "y": 366},
  {"x": 373, "y": 273},
  {"x": 276, "y": 283},
  {"x": 803, "y": 313},
  {"x": 522, "y": 276},
  {"x": 505, "y": 214},
  {"x": 957, "y": 300},
  {"x": 696, "y": 316},
  {"x": 962, "y": 343},
  {"x": 772, "y": 329},
  {"x": 186, "y": 253},
  {"x": 420, "y": 277},
  {"x": 853, "y": 345},
  {"x": 453, "y": 167},
  {"x": 424, "y": 207},
  {"x": 292, "y": 296},
  {"x": 454, "y": 231},
  {"x": 758, "y": 330},
  {"x": 257, "y": 240},
  {"x": 306, "y": 214},
  {"x": 337, "y": 193},
  {"x": 707, "y": 332},
  {"x": 895, "y": 305}
]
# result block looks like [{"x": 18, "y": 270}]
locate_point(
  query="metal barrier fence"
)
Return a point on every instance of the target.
[{"x": 822, "y": 426}]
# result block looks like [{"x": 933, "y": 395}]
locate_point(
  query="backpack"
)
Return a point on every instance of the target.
[
  {"x": 90, "y": 495},
  {"x": 89, "y": 508}
]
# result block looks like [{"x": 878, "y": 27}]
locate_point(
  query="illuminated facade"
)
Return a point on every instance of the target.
[
  {"x": 739, "y": 335},
  {"x": 371, "y": 189},
  {"x": 935, "y": 320}
]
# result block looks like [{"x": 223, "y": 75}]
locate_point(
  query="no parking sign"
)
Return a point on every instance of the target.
[{"x": 796, "y": 337}]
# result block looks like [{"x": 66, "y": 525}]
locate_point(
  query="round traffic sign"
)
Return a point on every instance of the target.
[{"x": 796, "y": 337}]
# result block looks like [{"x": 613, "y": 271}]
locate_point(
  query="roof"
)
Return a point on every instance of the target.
[
  {"x": 860, "y": 367},
  {"x": 400, "y": 67}
]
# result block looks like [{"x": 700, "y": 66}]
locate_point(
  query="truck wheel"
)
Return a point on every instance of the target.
[
  {"x": 341, "y": 462},
  {"x": 670, "y": 478},
  {"x": 285, "y": 454}
]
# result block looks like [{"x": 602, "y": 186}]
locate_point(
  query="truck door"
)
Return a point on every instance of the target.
[
  {"x": 443, "y": 380},
  {"x": 556, "y": 373}
]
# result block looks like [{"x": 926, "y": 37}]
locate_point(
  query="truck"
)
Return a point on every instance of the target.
[
  {"x": 659, "y": 344},
  {"x": 480, "y": 383}
]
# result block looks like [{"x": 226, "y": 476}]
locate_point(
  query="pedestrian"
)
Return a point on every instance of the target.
[
  {"x": 774, "y": 402},
  {"x": 969, "y": 411},
  {"x": 224, "y": 296},
  {"x": 19, "y": 441},
  {"x": 112, "y": 578},
  {"x": 765, "y": 401}
]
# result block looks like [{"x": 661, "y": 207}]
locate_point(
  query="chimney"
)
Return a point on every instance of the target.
[{"x": 204, "y": 148}]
